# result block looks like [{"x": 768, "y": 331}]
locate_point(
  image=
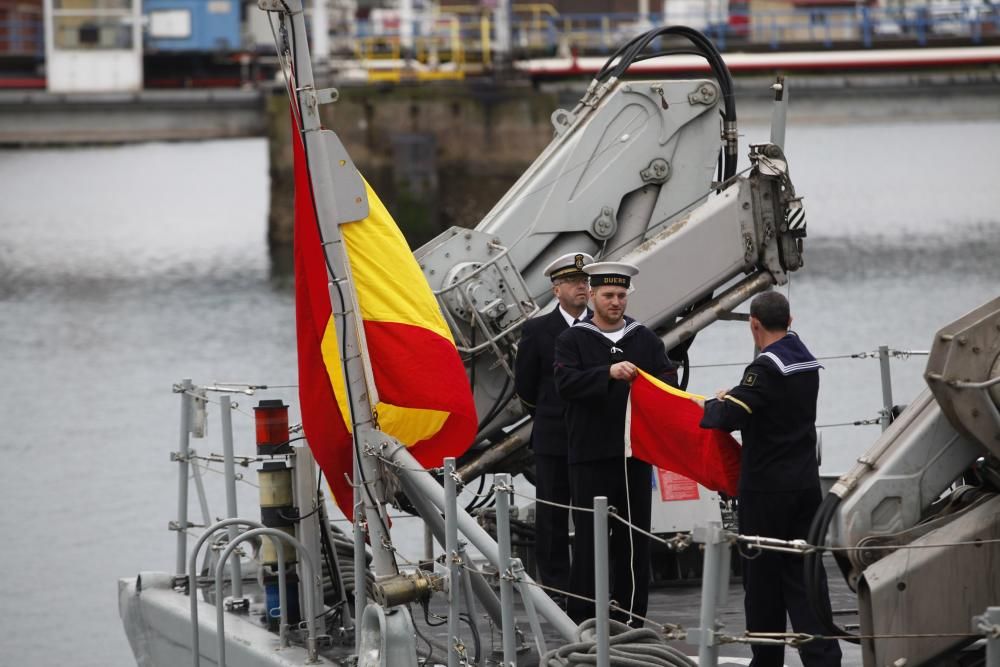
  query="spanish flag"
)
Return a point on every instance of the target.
[
  {"x": 425, "y": 400},
  {"x": 662, "y": 428}
]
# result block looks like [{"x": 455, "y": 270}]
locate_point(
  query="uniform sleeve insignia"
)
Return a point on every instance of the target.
[{"x": 749, "y": 380}]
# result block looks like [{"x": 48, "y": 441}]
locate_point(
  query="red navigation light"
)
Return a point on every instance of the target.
[{"x": 271, "y": 417}]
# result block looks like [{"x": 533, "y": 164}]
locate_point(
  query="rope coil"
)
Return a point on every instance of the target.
[{"x": 629, "y": 647}]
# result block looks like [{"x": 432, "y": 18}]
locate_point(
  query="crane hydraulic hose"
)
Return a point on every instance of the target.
[
  {"x": 813, "y": 567},
  {"x": 631, "y": 52}
]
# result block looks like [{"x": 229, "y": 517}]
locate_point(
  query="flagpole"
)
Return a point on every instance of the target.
[
  {"x": 335, "y": 204},
  {"x": 331, "y": 212}
]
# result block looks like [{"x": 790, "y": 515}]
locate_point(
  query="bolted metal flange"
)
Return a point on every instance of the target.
[
  {"x": 605, "y": 224},
  {"x": 657, "y": 172},
  {"x": 706, "y": 93}
]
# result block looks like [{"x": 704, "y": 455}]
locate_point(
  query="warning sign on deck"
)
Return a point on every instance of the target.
[{"x": 675, "y": 487}]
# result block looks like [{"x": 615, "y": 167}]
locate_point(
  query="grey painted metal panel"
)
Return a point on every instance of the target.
[
  {"x": 692, "y": 257},
  {"x": 931, "y": 591},
  {"x": 158, "y": 623},
  {"x": 553, "y": 207},
  {"x": 907, "y": 469}
]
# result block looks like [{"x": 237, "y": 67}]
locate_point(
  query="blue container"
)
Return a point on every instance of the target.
[
  {"x": 193, "y": 25},
  {"x": 273, "y": 604}
]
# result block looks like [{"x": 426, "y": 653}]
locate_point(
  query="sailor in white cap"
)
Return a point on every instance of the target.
[
  {"x": 595, "y": 362},
  {"x": 534, "y": 385}
]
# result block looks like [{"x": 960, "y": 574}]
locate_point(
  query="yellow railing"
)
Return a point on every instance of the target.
[
  {"x": 535, "y": 9},
  {"x": 440, "y": 56}
]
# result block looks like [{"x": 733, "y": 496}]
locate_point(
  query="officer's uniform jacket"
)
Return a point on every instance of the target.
[
  {"x": 595, "y": 403},
  {"x": 534, "y": 383},
  {"x": 774, "y": 407}
]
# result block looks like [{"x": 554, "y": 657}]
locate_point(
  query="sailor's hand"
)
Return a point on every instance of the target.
[
  {"x": 624, "y": 370},
  {"x": 721, "y": 394},
  {"x": 700, "y": 402}
]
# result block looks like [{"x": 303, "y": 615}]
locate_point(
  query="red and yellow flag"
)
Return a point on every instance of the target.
[
  {"x": 661, "y": 428},
  {"x": 425, "y": 400}
]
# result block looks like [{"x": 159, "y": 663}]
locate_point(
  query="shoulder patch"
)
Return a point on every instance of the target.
[{"x": 749, "y": 379}]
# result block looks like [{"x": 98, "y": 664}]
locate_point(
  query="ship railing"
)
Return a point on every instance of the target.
[
  {"x": 510, "y": 574},
  {"x": 717, "y": 544},
  {"x": 884, "y": 353},
  {"x": 257, "y": 530},
  {"x": 193, "y": 421}
]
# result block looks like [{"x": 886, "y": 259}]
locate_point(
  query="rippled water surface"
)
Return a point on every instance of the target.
[{"x": 123, "y": 270}]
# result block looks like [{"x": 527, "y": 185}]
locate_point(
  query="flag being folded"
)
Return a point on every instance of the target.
[
  {"x": 661, "y": 428},
  {"x": 425, "y": 400}
]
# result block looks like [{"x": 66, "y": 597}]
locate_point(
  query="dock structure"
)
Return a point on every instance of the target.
[{"x": 37, "y": 118}]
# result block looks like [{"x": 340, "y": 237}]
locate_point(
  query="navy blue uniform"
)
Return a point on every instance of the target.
[
  {"x": 536, "y": 389},
  {"x": 774, "y": 407},
  {"x": 595, "y": 419}
]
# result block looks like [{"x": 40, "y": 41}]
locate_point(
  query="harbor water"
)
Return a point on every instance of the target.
[{"x": 125, "y": 269}]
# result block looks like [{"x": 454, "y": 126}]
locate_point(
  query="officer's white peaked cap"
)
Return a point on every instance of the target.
[{"x": 568, "y": 264}]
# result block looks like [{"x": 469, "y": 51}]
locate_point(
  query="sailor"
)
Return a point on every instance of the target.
[
  {"x": 536, "y": 389},
  {"x": 774, "y": 407},
  {"x": 595, "y": 363}
]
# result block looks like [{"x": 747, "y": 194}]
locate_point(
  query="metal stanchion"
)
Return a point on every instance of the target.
[
  {"x": 182, "y": 475},
  {"x": 883, "y": 362},
  {"x": 506, "y": 585},
  {"x": 601, "y": 593},
  {"x": 714, "y": 590},
  {"x": 451, "y": 554},
  {"x": 225, "y": 404}
]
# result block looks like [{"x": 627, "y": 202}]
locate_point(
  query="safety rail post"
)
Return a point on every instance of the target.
[
  {"x": 883, "y": 360},
  {"x": 433, "y": 519},
  {"x": 226, "y": 407},
  {"x": 182, "y": 475},
  {"x": 429, "y": 489},
  {"x": 503, "y": 495},
  {"x": 451, "y": 556},
  {"x": 309, "y": 590},
  {"x": 193, "y": 580},
  {"x": 601, "y": 593},
  {"x": 714, "y": 590}
]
